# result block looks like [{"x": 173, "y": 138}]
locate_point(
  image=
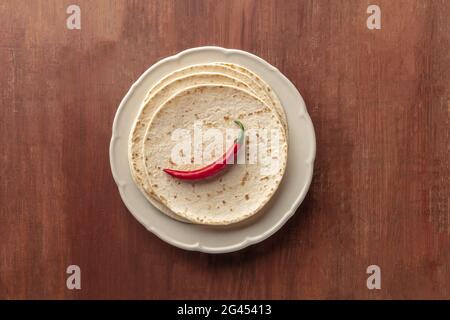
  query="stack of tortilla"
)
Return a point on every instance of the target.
[{"x": 213, "y": 95}]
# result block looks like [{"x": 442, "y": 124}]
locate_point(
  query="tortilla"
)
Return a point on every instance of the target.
[{"x": 243, "y": 189}]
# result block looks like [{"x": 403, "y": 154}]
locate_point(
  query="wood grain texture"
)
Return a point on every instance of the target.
[{"x": 379, "y": 100}]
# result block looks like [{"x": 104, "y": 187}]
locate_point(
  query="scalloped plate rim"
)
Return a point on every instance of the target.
[{"x": 197, "y": 246}]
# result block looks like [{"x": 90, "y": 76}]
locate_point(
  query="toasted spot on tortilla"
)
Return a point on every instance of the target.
[
  {"x": 240, "y": 175},
  {"x": 244, "y": 179}
]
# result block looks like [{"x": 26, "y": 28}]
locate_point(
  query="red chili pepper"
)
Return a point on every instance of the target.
[{"x": 214, "y": 167}]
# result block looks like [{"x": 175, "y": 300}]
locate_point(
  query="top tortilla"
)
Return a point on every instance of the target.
[{"x": 233, "y": 196}]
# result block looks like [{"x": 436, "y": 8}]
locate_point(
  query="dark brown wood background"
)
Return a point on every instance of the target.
[{"x": 379, "y": 100}]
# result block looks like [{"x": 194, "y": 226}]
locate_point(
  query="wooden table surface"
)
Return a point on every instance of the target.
[{"x": 379, "y": 101}]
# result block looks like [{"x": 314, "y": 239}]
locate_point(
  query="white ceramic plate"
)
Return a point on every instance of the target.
[{"x": 292, "y": 190}]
